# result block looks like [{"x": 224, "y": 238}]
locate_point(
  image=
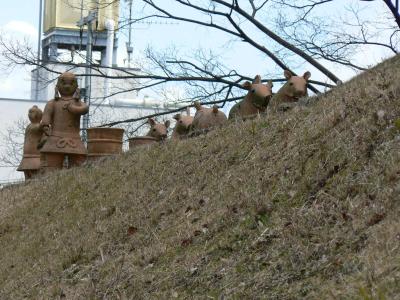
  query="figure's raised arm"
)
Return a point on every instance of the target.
[{"x": 78, "y": 108}]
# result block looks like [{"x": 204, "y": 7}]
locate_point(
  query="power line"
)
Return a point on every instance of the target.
[{"x": 155, "y": 23}]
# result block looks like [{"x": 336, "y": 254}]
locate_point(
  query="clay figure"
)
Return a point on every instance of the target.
[
  {"x": 182, "y": 127},
  {"x": 207, "y": 118},
  {"x": 61, "y": 121},
  {"x": 256, "y": 100},
  {"x": 158, "y": 131},
  {"x": 292, "y": 90},
  {"x": 30, "y": 163}
]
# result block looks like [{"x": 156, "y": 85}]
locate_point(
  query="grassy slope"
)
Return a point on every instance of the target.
[{"x": 301, "y": 204}]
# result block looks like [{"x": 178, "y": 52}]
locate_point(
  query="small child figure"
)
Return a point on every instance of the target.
[{"x": 30, "y": 162}]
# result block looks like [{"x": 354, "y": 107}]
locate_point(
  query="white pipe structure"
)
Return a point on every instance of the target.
[
  {"x": 147, "y": 103},
  {"x": 109, "y": 24}
]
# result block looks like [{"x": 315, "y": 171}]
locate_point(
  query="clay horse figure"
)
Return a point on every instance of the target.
[
  {"x": 290, "y": 93},
  {"x": 256, "y": 100},
  {"x": 183, "y": 125},
  {"x": 60, "y": 122},
  {"x": 158, "y": 131},
  {"x": 30, "y": 162},
  {"x": 206, "y": 118}
]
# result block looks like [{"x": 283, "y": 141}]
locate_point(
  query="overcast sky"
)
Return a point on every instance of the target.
[{"x": 19, "y": 20}]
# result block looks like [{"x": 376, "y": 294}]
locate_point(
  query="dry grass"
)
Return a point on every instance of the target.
[{"x": 303, "y": 204}]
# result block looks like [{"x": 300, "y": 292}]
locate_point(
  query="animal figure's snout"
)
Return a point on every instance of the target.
[{"x": 299, "y": 93}]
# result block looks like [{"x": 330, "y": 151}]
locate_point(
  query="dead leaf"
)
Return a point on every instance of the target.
[
  {"x": 186, "y": 242},
  {"x": 376, "y": 219},
  {"x": 132, "y": 230}
]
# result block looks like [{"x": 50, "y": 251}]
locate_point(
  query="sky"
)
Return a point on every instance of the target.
[{"x": 19, "y": 20}]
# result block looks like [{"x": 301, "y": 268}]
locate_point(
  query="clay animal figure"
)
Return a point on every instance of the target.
[
  {"x": 292, "y": 90},
  {"x": 60, "y": 122},
  {"x": 207, "y": 118},
  {"x": 256, "y": 100},
  {"x": 30, "y": 162},
  {"x": 158, "y": 131},
  {"x": 182, "y": 127}
]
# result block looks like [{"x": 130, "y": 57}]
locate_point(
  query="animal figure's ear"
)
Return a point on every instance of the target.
[
  {"x": 77, "y": 94},
  {"x": 270, "y": 84},
  {"x": 177, "y": 117},
  {"x": 215, "y": 109},
  {"x": 307, "y": 75},
  {"x": 287, "y": 74},
  {"x": 151, "y": 121},
  {"x": 197, "y": 105},
  {"x": 247, "y": 85},
  {"x": 167, "y": 123},
  {"x": 257, "y": 79}
]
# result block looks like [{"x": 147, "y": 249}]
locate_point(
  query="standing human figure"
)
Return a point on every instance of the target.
[
  {"x": 61, "y": 126},
  {"x": 30, "y": 162}
]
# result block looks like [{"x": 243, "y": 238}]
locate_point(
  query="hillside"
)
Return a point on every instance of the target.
[{"x": 302, "y": 204}]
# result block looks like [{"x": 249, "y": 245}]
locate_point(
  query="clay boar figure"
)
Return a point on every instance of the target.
[
  {"x": 292, "y": 90},
  {"x": 206, "y": 118},
  {"x": 61, "y": 125},
  {"x": 158, "y": 131},
  {"x": 256, "y": 100},
  {"x": 182, "y": 127},
  {"x": 30, "y": 163}
]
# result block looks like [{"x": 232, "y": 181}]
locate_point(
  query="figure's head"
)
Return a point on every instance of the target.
[
  {"x": 67, "y": 85},
  {"x": 296, "y": 86},
  {"x": 260, "y": 93},
  {"x": 158, "y": 130},
  {"x": 183, "y": 123},
  {"x": 35, "y": 114}
]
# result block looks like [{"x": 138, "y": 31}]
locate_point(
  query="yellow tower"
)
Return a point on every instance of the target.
[
  {"x": 64, "y": 14},
  {"x": 62, "y": 32}
]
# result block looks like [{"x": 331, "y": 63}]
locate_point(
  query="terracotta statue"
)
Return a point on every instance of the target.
[
  {"x": 206, "y": 118},
  {"x": 292, "y": 90},
  {"x": 158, "y": 130},
  {"x": 30, "y": 163},
  {"x": 182, "y": 127},
  {"x": 61, "y": 125},
  {"x": 104, "y": 142},
  {"x": 256, "y": 100}
]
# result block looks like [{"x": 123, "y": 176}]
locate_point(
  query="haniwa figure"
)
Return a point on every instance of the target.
[
  {"x": 30, "y": 163},
  {"x": 61, "y": 125}
]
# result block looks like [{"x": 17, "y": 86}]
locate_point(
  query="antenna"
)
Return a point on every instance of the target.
[
  {"x": 88, "y": 20},
  {"x": 129, "y": 47}
]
